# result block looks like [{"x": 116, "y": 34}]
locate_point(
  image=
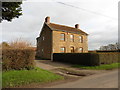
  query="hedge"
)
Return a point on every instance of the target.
[
  {"x": 77, "y": 58},
  {"x": 108, "y": 58},
  {"x": 17, "y": 59},
  {"x": 88, "y": 59}
]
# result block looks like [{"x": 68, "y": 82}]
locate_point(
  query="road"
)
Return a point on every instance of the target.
[{"x": 103, "y": 80}]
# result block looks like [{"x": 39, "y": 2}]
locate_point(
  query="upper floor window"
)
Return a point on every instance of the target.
[
  {"x": 71, "y": 38},
  {"x": 62, "y": 36},
  {"x": 62, "y": 49},
  {"x": 43, "y": 38},
  {"x": 80, "y": 49},
  {"x": 42, "y": 50},
  {"x": 80, "y": 39}
]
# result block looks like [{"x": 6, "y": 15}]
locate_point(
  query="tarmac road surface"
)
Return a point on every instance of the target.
[{"x": 103, "y": 80}]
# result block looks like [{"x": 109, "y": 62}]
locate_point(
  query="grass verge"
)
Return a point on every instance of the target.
[
  {"x": 15, "y": 78},
  {"x": 101, "y": 67}
]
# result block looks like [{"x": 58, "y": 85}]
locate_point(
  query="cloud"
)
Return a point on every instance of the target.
[{"x": 102, "y": 30}]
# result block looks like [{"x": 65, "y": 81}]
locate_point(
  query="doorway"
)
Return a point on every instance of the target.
[{"x": 72, "y": 49}]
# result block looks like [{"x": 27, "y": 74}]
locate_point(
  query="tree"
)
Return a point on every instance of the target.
[
  {"x": 117, "y": 45},
  {"x": 4, "y": 45},
  {"x": 110, "y": 47},
  {"x": 11, "y": 10}
]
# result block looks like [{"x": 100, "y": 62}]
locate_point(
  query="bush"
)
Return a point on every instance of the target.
[
  {"x": 4, "y": 45},
  {"x": 17, "y": 59},
  {"x": 77, "y": 58},
  {"x": 19, "y": 43}
]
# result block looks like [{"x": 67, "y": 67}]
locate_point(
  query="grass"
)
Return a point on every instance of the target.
[
  {"x": 101, "y": 67},
  {"x": 15, "y": 78}
]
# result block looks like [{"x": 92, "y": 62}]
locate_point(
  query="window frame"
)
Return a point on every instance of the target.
[
  {"x": 72, "y": 38},
  {"x": 81, "y": 51},
  {"x": 81, "y": 39},
  {"x": 42, "y": 50},
  {"x": 43, "y": 38},
  {"x": 62, "y": 38},
  {"x": 62, "y": 51}
]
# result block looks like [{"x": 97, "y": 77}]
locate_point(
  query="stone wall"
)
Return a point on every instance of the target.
[
  {"x": 57, "y": 44},
  {"x": 44, "y": 43}
]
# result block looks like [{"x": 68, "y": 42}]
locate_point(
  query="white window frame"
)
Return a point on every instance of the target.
[
  {"x": 72, "y": 38},
  {"x": 42, "y": 50},
  {"x": 80, "y": 49},
  {"x": 43, "y": 38},
  {"x": 62, "y": 51},
  {"x": 62, "y": 37},
  {"x": 81, "y": 39}
]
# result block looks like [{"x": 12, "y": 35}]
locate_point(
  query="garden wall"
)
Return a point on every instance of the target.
[{"x": 17, "y": 59}]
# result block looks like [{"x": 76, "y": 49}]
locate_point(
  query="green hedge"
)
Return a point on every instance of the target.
[
  {"x": 17, "y": 59},
  {"x": 88, "y": 59},
  {"x": 108, "y": 58}
]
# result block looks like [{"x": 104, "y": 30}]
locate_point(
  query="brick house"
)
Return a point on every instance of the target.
[{"x": 55, "y": 38}]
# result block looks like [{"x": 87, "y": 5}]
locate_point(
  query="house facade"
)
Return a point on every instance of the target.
[{"x": 55, "y": 38}]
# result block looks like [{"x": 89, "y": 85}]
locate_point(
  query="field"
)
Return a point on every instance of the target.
[{"x": 15, "y": 78}]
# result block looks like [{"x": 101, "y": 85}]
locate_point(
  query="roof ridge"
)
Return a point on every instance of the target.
[{"x": 66, "y": 26}]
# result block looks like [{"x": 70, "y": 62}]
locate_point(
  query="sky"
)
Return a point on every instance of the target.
[{"x": 99, "y": 18}]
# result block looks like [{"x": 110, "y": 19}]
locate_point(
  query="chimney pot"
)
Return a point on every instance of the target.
[
  {"x": 77, "y": 26},
  {"x": 47, "y": 19}
]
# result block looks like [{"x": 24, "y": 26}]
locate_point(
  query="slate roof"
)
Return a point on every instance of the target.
[{"x": 64, "y": 28}]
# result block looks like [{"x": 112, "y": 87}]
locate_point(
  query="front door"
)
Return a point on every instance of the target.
[{"x": 72, "y": 49}]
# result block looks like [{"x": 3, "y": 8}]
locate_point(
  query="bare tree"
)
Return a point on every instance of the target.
[{"x": 110, "y": 47}]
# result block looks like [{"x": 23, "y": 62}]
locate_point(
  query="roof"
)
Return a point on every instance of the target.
[{"x": 64, "y": 28}]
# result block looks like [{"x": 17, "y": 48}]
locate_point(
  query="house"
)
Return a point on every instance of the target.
[{"x": 55, "y": 38}]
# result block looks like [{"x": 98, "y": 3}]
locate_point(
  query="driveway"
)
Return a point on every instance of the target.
[{"x": 49, "y": 65}]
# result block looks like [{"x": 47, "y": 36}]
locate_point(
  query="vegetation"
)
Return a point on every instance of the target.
[
  {"x": 18, "y": 65},
  {"x": 11, "y": 10},
  {"x": 18, "y": 43},
  {"x": 101, "y": 67},
  {"x": 4, "y": 45},
  {"x": 15, "y": 78},
  {"x": 87, "y": 59},
  {"x": 110, "y": 47},
  {"x": 17, "y": 55},
  {"x": 17, "y": 59},
  {"x": 90, "y": 59}
]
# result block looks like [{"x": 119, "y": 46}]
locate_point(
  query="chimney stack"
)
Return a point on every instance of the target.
[
  {"x": 47, "y": 19},
  {"x": 77, "y": 26}
]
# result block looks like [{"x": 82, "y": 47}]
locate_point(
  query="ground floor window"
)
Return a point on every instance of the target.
[
  {"x": 62, "y": 50},
  {"x": 80, "y": 49}
]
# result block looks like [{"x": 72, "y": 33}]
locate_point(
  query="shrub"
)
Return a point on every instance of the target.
[
  {"x": 4, "y": 45},
  {"x": 19, "y": 43},
  {"x": 17, "y": 59}
]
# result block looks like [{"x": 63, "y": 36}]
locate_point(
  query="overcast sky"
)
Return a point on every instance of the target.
[{"x": 99, "y": 18}]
